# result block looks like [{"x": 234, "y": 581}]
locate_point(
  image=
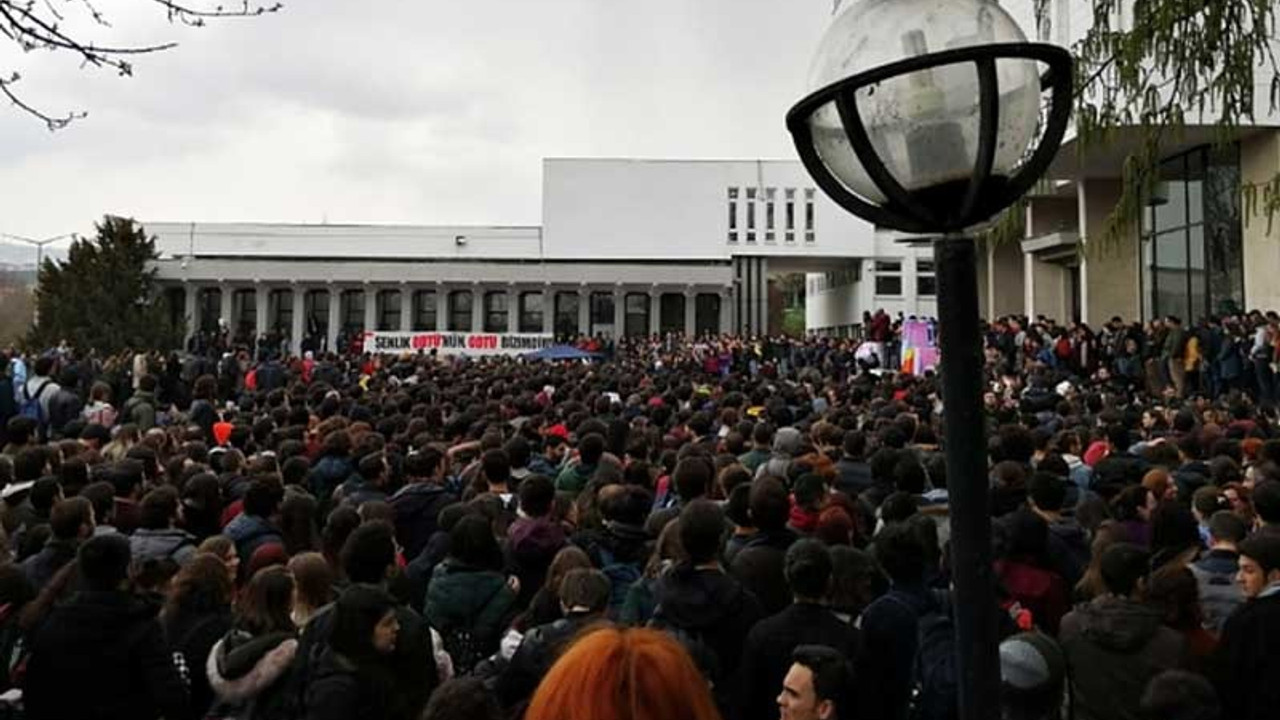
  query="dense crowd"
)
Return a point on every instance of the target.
[{"x": 720, "y": 527}]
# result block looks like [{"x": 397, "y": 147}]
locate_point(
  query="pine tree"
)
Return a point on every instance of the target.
[{"x": 104, "y": 295}]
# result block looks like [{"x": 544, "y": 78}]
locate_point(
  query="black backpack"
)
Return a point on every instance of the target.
[{"x": 935, "y": 680}]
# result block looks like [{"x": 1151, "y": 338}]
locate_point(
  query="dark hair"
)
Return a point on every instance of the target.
[
  {"x": 29, "y": 463},
  {"x": 471, "y": 542},
  {"x": 832, "y": 675},
  {"x": 585, "y": 587},
  {"x": 43, "y": 494},
  {"x": 1266, "y": 501},
  {"x": 372, "y": 466},
  {"x": 422, "y": 463},
  {"x": 1180, "y": 695},
  {"x": 68, "y": 516},
  {"x": 1226, "y": 526},
  {"x": 692, "y": 477},
  {"x": 900, "y": 552},
  {"x": 1047, "y": 491},
  {"x": 370, "y": 550},
  {"x": 463, "y": 698},
  {"x": 159, "y": 508},
  {"x": 629, "y": 505},
  {"x": 104, "y": 561},
  {"x": 262, "y": 499},
  {"x": 201, "y": 586},
  {"x": 770, "y": 506},
  {"x": 537, "y": 495},
  {"x": 701, "y": 529},
  {"x": 298, "y": 523},
  {"x": 854, "y": 444},
  {"x": 1123, "y": 565},
  {"x": 591, "y": 449},
  {"x": 808, "y": 569},
  {"x": 357, "y": 612},
  {"x": 266, "y": 603},
  {"x": 337, "y": 528},
  {"x": 1263, "y": 548}
]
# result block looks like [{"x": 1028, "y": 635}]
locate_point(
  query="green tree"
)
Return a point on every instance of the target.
[{"x": 104, "y": 295}]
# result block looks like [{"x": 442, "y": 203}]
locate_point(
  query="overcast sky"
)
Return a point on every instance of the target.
[{"x": 422, "y": 111}]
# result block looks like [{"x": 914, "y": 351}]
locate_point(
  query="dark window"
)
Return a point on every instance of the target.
[
  {"x": 531, "y": 312},
  {"x": 315, "y": 306},
  {"x": 671, "y": 313},
  {"x": 210, "y": 309},
  {"x": 352, "y": 311},
  {"x": 495, "y": 311},
  {"x": 602, "y": 313},
  {"x": 706, "y": 314},
  {"x": 926, "y": 280},
  {"x": 636, "y": 321},
  {"x": 566, "y": 321},
  {"x": 460, "y": 311},
  {"x": 388, "y": 309},
  {"x": 888, "y": 278},
  {"x": 424, "y": 310}
]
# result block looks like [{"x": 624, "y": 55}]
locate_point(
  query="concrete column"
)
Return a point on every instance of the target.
[
  {"x": 513, "y": 309},
  {"x": 726, "y": 311},
  {"x": 335, "y": 322},
  {"x": 370, "y": 308},
  {"x": 584, "y": 311},
  {"x": 442, "y": 307},
  {"x": 910, "y": 300},
  {"x": 655, "y": 311},
  {"x": 477, "y": 307},
  {"x": 690, "y": 312},
  {"x": 619, "y": 312},
  {"x": 224, "y": 306},
  {"x": 406, "y": 308},
  {"x": 1029, "y": 285},
  {"x": 191, "y": 293},
  {"x": 260, "y": 300},
  {"x": 299, "y": 329},
  {"x": 548, "y": 311}
]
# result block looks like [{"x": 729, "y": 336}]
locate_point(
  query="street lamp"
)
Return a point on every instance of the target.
[
  {"x": 39, "y": 245},
  {"x": 925, "y": 117}
]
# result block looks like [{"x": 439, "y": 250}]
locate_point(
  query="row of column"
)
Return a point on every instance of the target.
[{"x": 444, "y": 294}]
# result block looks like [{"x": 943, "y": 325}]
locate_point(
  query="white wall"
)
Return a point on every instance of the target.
[
  {"x": 669, "y": 209},
  {"x": 843, "y": 305}
]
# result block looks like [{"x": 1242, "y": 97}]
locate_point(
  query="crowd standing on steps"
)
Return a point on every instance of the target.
[{"x": 722, "y": 527}]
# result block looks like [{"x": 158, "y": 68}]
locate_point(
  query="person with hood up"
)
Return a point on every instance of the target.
[
  {"x": 760, "y": 564},
  {"x": 1115, "y": 644},
  {"x": 102, "y": 653},
  {"x": 702, "y": 605},
  {"x": 247, "y": 667},
  {"x": 786, "y": 443},
  {"x": 469, "y": 600},
  {"x": 534, "y": 538},
  {"x": 140, "y": 409},
  {"x": 418, "y": 503},
  {"x": 352, "y": 678},
  {"x": 159, "y": 537}
]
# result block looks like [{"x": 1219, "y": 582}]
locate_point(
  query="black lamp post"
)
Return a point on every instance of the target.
[{"x": 937, "y": 143}]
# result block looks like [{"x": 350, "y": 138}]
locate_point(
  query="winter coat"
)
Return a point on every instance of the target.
[
  {"x": 1247, "y": 665},
  {"x": 417, "y": 508},
  {"x": 532, "y": 543},
  {"x": 327, "y": 475},
  {"x": 853, "y": 476},
  {"x": 465, "y": 600},
  {"x": 1068, "y": 549},
  {"x": 1219, "y": 594},
  {"x": 538, "y": 651},
  {"x": 766, "y": 657},
  {"x": 140, "y": 410},
  {"x": 191, "y": 637},
  {"x": 102, "y": 656},
  {"x": 339, "y": 691},
  {"x": 64, "y": 407},
  {"x": 247, "y": 674},
  {"x": 41, "y": 567},
  {"x": 1041, "y": 591},
  {"x": 171, "y": 543},
  {"x": 760, "y": 567},
  {"x": 889, "y": 638},
  {"x": 250, "y": 532},
  {"x": 1117, "y": 471},
  {"x": 711, "y": 612},
  {"x": 1114, "y": 646}
]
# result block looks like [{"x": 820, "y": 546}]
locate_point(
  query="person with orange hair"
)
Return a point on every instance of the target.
[{"x": 624, "y": 674}]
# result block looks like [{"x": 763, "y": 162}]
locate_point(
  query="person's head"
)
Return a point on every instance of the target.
[
  {"x": 423, "y": 465},
  {"x": 267, "y": 602},
  {"x": 817, "y": 686},
  {"x": 72, "y": 519},
  {"x": 364, "y": 623},
  {"x": 202, "y": 585},
  {"x": 373, "y": 468},
  {"x": 537, "y": 495},
  {"x": 1227, "y": 529},
  {"x": 1206, "y": 501},
  {"x": 1047, "y": 492},
  {"x": 1259, "y": 562},
  {"x": 584, "y": 590},
  {"x": 159, "y": 509},
  {"x": 471, "y": 543},
  {"x": 1161, "y": 484},
  {"x": 263, "y": 498},
  {"x": 1124, "y": 569},
  {"x": 807, "y": 568},
  {"x": 104, "y": 562},
  {"x": 692, "y": 477},
  {"x": 221, "y": 547},
  {"x": 1134, "y": 503},
  {"x": 496, "y": 467},
  {"x": 770, "y": 506},
  {"x": 591, "y": 449},
  {"x": 463, "y": 698},
  {"x": 1032, "y": 673},
  {"x": 1173, "y": 591},
  {"x": 651, "y": 675},
  {"x": 369, "y": 554},
  {"x": 312, "y": 579},
  {"x": 1180, "y": 695},
  {"x": 701, "y": 530},
  {"x": 1266, "y": 502},
  {"x": 900, "y": 553},
  {"x": 854, "y": 445}
]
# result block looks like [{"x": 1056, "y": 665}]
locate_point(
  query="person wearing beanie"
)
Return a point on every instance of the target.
[{"x": 1033, "y": 673}]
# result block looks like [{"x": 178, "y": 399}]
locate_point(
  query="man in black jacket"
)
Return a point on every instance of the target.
[
  {"x": 853, "y": 474},
  {"x": 759, "y": 564},
  {"x": 418, "y": 503},
  {"x": 102, "y": 654},
  {"x": 767, "y": 654},
  {"x": 1246, "y": 664}
]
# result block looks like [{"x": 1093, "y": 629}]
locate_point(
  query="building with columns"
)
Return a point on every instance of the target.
[{"x": 627, "y": 247}]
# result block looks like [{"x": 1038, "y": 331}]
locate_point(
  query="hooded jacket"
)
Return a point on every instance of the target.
[
  {"x": 786, "y": 443},
  {"x": 250, "y": 532},
  {"x": 1114, "y": 646},
  {"x": 102, "y": 655},
  {"x": 712, "y": 611},
  {"x": 173, "y": 543},
  {"x": 417, "y": 508},
  {"x": 245, "y": 672},
  {"x": 761, "y": 568},
  {"x": 327, "y": 475},
  {"x": 339, "y": 690},
  {"x": 1068, "y": 549},
  {"x": 466, "y": 599}
]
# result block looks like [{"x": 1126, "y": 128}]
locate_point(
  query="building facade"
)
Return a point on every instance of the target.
[{"x": 627, "y": 247}]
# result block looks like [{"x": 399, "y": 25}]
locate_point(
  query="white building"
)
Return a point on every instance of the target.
[{"x": 626, "y": 247}]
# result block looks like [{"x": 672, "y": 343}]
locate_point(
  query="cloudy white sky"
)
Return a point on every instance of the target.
[{"x": 394, "y": 111}]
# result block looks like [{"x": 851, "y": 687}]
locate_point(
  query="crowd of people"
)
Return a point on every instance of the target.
[{"x": 715, "y": 528}]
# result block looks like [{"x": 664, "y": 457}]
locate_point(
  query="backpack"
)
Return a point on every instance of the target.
[
  {"x": 935, "y": 681},
  {"x": 1219, "y": 596},
  {"x": 621, "y": 577},
  {"x": 31, "y": 407},
  {"x": 464, "y": 648}
]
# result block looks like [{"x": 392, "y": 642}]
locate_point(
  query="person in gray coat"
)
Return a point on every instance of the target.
[{"x": 158, "y": 537}]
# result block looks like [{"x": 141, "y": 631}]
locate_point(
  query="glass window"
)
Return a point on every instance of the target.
[
  {"x": 602, "y": 313},
  {"x": 280, "y": 311},
  {"x": 531, "y": 312},
  {"x": 210, "y": 309},
  {"x": 245, "y": 309},
  {"x": 460, "y": 302},
  {"x": 424, "y": 310},
  {"x": 388, "y": 309},
  {"x": 495, "y": 311},
  {"x": 566, "y": 320},
  {"x": 351, "y": 311},
  {"x": 706, "y": 314},
  {"x": 671, "y": 313},
  {"x": 926, "y": 280},
  {"x": 636, "y": 320},
  {"x": 888, "y": 278}
]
